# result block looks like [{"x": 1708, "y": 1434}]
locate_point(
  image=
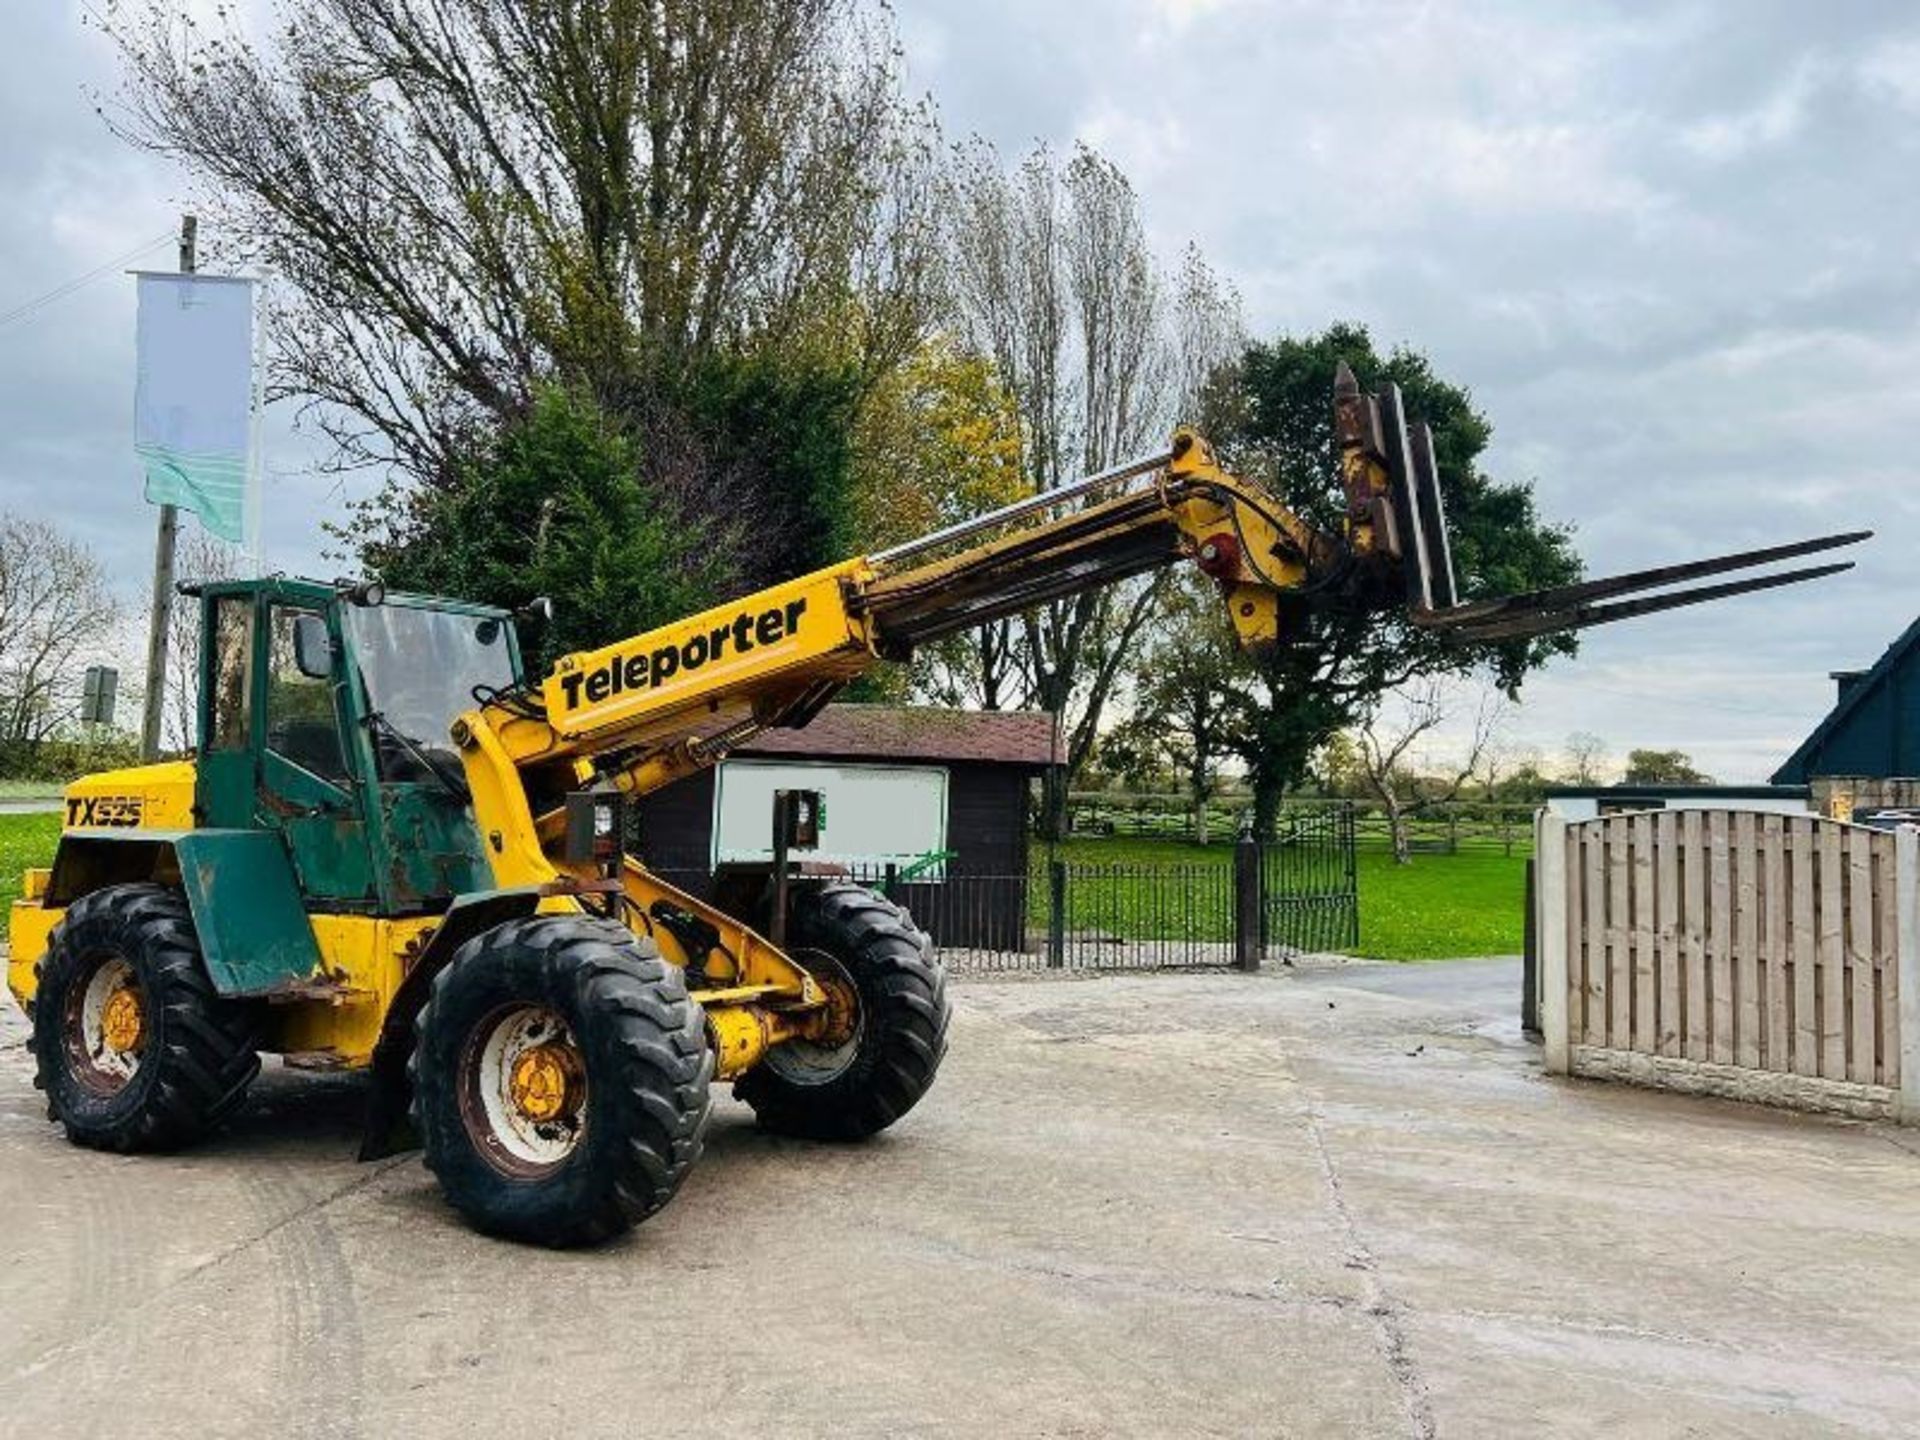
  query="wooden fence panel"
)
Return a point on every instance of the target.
[
  {"x": 1717, "y": 944},
  {"x": 1720, "y": 936},
  {"x": 1833, "y": 956},
  {"x": 1748, "y": 1030},
  {"x": 1806, "y": 1037},
  {"x": 1667, "y": 959},
  {"x": 1693, "y": 914},
  {"x": 1776, "y": 991}
]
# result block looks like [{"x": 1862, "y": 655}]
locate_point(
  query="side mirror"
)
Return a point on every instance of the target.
[
  {"x": 312, "y": 651},
  {"x": 539, "y": 608}
]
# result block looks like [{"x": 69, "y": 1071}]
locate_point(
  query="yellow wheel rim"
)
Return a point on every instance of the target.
[
  {"x": 542, "y": 1084},
  {"x": 122, "y": 1022}
]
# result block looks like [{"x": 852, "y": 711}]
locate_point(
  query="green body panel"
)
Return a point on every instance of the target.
[
  {"x": 324, "y": 833},
  {"x": 247, "y": 909},
  {"x": 432, "y": 847},
  {"x": 239, "y": 885}
]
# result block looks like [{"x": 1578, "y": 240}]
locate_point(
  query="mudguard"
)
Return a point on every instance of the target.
[{"x": 239, "y": 885}]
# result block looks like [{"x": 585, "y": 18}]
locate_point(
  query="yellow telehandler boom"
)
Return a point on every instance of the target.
[{"x": 332, "y": 880}]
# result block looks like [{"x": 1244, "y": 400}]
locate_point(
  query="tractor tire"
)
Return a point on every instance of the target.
[
  {"x": 846, "y": 934},
  {"x": 560, "y": 1080},
  {"x": 132, "y": 1045}
]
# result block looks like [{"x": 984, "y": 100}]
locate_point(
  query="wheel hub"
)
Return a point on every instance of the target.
[
  {"x": 545, "y": 1082},
  {"x": 123, "y": 1024}
]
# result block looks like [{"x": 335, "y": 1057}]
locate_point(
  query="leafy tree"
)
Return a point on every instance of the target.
[
  {"x": 556, "y": 505},
  {"x": 1054, "y": 281},
  {"x": 1272, "y": 417},
  {"x": 1179, "y": 716},
  {"x": 712, "y": 217},
  {"x": 1663, "y": 767},
  {"x": 938, "y": 440}
]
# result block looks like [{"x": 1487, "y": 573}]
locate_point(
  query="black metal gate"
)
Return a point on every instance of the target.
[
  {"x": 1239, "y": 904},
  {"x": 1309, "y": 883}
]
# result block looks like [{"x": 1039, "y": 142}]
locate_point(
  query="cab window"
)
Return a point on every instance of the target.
[
  {"x": 230, "y": 673},
  {"x": 302, "y": 726}
]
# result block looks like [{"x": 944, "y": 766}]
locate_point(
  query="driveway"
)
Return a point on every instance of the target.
[{"x": 1337, "y": 1201}]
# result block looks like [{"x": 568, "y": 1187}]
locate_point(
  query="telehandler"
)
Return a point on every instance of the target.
[{"x": 396, "y": 850}]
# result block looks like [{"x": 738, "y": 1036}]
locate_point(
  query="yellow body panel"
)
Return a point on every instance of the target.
[
  {"x": 28, "y": 927},
  {"x": 783, "y": 638},
  {"x": 366, "y": 957},
  {"x": 146, "y": 797}
]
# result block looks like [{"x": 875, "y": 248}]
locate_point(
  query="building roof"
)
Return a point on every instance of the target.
[
  {"x": 1676, "y": 792},
  {"x": 912, "y": 732},
  {"x": 1874, "y": 726}
]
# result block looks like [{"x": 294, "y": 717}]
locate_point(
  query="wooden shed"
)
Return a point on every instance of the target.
[{"x": 937, "y": 796}]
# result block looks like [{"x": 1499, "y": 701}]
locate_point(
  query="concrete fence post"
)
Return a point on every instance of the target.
[
  {"x": 1906, "y": 852},
  {"x": 1550, "y": 931}
]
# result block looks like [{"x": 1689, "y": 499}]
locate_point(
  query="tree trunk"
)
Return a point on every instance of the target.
[
  {"x": 1397, "y": 826},
  {"x": 1199, "y": 819}
]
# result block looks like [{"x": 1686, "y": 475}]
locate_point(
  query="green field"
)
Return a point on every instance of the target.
[
  {"x": 1438, "y": 907},
  {"x": 24, "y": 840}
]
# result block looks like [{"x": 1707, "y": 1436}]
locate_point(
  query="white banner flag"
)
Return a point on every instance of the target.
[{"x": 194, "y": 398}]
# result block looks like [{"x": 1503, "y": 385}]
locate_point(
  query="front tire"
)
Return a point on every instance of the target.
[
  {"x": 133, "y": 1046},
  {"x": 560, "y": 1080},
  {"x": 853, "y": 939}
]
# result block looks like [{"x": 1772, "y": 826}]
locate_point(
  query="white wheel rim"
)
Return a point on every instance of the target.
[
  {"x": 505, "y": 1040},
  {"x": 112, "y": 1068}
]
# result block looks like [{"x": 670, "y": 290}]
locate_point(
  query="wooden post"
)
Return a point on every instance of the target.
[
  {"x": 1550, "y": 890},
  {"x": 1246, "y": 902},
  {"x": 1906, "y": 842}
]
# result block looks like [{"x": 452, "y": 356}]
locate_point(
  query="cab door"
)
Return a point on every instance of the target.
[{"x": 306, "y": 787}]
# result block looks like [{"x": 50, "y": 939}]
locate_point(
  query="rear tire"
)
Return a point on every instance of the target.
[
  {"x": 848, "y": 935},
  {"x": 560, "y": 1080},
  {"x": 133, "y": 1046}
]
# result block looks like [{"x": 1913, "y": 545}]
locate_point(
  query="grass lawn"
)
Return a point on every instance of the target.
[
  {"x": 25, "y": 840},
  {"x": 1440, "y": 906}
]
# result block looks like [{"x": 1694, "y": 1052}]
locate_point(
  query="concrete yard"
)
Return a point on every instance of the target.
[{"x": 1339, "y": 1201}]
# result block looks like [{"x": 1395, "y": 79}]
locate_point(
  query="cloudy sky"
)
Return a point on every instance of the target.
[{"x": 1674, "y": 250}]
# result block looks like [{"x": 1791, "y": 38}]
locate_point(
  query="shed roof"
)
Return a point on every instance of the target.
[
  {"x": 915, "y": 732},
  {"x": 1873, "y": 728}
]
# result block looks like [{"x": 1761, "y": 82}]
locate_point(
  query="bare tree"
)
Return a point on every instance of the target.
[
  {"x": 458, "y": 197},
  {"x": 1390, "y": 751},
  {"x": 56, "y": 613},
  {"x": 1586, "y": 757},
  {"x": 1053, "y": 279},
  {"x": 201, "y": 557}
]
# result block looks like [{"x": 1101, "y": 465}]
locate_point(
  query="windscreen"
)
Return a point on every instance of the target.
[{"x": 419, "y": 667}]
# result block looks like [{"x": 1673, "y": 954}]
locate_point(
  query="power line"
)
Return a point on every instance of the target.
[{"x": 61, "y": 291}]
